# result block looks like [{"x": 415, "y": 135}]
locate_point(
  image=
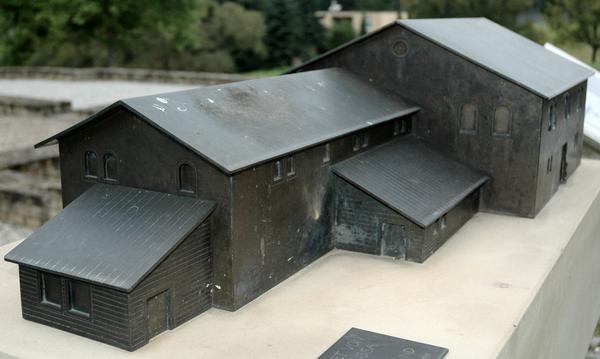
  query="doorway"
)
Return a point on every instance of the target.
[
  {"x": 393, "y": 240},
  {"x": 563, "y": 164},
  {"x": 157, "y": 314}
]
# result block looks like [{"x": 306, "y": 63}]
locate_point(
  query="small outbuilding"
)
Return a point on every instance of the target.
[
  {"x": 402, "y": 199},
  {"x": 118, "y": 265}
]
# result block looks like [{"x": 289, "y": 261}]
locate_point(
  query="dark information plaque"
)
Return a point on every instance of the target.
[{"x": 362, "y": 344}]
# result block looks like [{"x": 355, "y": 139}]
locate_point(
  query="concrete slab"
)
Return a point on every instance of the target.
[
  {"x": 84, "y": 94},
  {"x": 12, "y": 233},
  {"x": 20, "y": 133},
  {"x": 501, "y": 287}
]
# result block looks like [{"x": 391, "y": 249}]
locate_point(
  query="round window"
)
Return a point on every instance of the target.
[{"x": 400, "y": 48}]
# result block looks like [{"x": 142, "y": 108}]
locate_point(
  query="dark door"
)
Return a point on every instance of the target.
[
  {"x": 157, "y": 317},
  {"x": 393, "y": 241},
  {"x": 563, "y": 164}
]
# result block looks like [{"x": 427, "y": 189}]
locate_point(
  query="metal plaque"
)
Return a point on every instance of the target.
[{"x": 362, "y": 344}]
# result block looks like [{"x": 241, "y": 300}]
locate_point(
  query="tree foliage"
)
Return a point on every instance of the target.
[
  {"x": 365, "y": 5},
  {"x": 293, "y": 32},
  {"x": 577, "y": 20},
  {"x": 178, "y": 34},
  {"x": 504, "y": 12},
  {"x": 339, "y": 34}
]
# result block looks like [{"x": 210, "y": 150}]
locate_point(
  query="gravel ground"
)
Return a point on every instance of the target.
[
  {"x": 11, "y": 233},
  {"x": 84, "y": 94}
]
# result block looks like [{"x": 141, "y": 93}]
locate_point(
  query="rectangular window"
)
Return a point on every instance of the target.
[
  {"x": 468, "y": 118},
  {"x": 551, "y": 117},
  {"x": 51, "y": 290},
  {"x": 327, "y": 155},
  {"x": 79, "y": 298},
  {"x": 355, "y": 143},
  {"x": 400, "y": 127},
  {"x": 277, "y": 171},
  {"x": 403, "y": 126},
  {"x": 291, "y": 166},
  {"x": 365, "y": 140},
  {"x": 549, "y": 165},
  {"x": 580, "y": 101},
  {"x": 502, "y": 120}
]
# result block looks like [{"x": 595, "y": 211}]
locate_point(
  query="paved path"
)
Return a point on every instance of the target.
[
  {"x": 11, "y": 233},
  {"x": 18, "y": 134},
  {"x": 84, "y": 94}
]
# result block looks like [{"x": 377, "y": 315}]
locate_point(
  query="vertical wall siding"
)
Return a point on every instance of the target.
[
  {"x": 108, "y": 321},
  {"x": 436, "y": 236},
  {"x": 359, "y": 217},
  {"x": 187, "y": 274}
]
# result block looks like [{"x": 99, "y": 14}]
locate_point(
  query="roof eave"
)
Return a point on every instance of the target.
[
  {"x": 52, "y": 140},
  {"x": 127, "y": 289},
  {"x": 403, "y": 24},
  {"x": 406, "y": 112},
  {"x": 341, "y": 47},
  {"x": 435, "y": 216},
  {"x": 541, "y": 94}
]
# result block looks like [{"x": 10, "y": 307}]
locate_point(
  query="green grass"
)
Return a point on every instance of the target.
[
  {"x": 581, "y": 51},
  {"x": 542, "y": 32},
  {"x": 266, "y": 72}
]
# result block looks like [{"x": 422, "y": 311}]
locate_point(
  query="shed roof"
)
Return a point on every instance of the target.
[
  {"x": 497, "y": 49},
  {"x": 112, "y": 235},
  {"x": 238, "y": 125},
  {"x": 411, "y": 178}
]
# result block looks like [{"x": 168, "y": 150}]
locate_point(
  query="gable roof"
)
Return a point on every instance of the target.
[
  {"x": 112, "y": 235},
  {"x": 411, "y": 178},
  {"x": 496, "y": 49},
  {"x": 238, "y": 125}
]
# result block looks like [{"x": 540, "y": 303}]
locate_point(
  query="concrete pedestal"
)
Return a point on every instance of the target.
[{"x": 502, "y": 287}]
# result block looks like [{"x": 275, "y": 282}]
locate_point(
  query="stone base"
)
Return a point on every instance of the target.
[
  {"x": 501, "y": 287},
  {"x": 27, "y": 199}
]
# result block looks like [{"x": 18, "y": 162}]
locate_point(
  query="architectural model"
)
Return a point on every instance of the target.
[{"x": 179, "y": 202}]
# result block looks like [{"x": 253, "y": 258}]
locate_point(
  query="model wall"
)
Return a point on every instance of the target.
[
  {"x": 565, "y": 129},
  {"x": 108, "y": 321},
  {"x": 187, "y": 274},
  {"x": 446, "y": 85},
  {"x": 358, "y": 220},
  {"x": 149, "y": 159},
  {"x": 443, "y": 229},
  {"x": 280, "y": 226}
]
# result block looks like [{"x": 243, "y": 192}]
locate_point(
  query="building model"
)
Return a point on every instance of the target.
[{"x": 179, "y": 202}]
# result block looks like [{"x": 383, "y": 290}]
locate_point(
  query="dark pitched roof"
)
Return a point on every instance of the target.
[
  {"x": 238, "y": 125},
  {"x": 497, "y": 49},
  {"x": 112, "y": 235},
  {"x": 411, "y": 178}
]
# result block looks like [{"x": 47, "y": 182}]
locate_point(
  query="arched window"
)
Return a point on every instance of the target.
[
  {"x": 567, "y": 107},
  {"x": 502, "y": 119},
  {"x": 110, "y": 167},
  {"x": 187, "y": 178},
  {"x": 468, "y": 118},
  {"x": 90, "y": 164},
  {"x": 551, "y": 117}
]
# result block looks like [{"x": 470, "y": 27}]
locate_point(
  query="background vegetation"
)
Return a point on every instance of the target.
[{"x": 246, "y": 35}]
